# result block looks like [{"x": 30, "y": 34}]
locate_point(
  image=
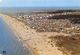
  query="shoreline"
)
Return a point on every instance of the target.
[
  {"x": 42, "y": 34},
  {"x": 36, "y": 42},
  {"x": 15, "y": 32}
]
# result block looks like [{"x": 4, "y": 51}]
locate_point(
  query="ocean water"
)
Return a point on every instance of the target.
[
  {"x": 15, "y": 11},
  {"x": 9, "y": 41}
]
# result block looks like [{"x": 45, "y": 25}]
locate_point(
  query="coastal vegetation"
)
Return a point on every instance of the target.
[
  {"x": 66, "y": 22},
  {"x": 59, "y": 28}
]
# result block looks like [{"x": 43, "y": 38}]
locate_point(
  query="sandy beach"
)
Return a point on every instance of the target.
[
  {"x": 37, "y": 42},
  {"x": 46, "y": 43}
]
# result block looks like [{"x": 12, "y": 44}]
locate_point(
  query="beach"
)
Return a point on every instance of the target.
[
  {"x": 63, "y": 40},
  {"x": 29, "y": 37}
]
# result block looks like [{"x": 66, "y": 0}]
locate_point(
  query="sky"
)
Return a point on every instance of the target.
[{"x": 39, "y": 3}]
